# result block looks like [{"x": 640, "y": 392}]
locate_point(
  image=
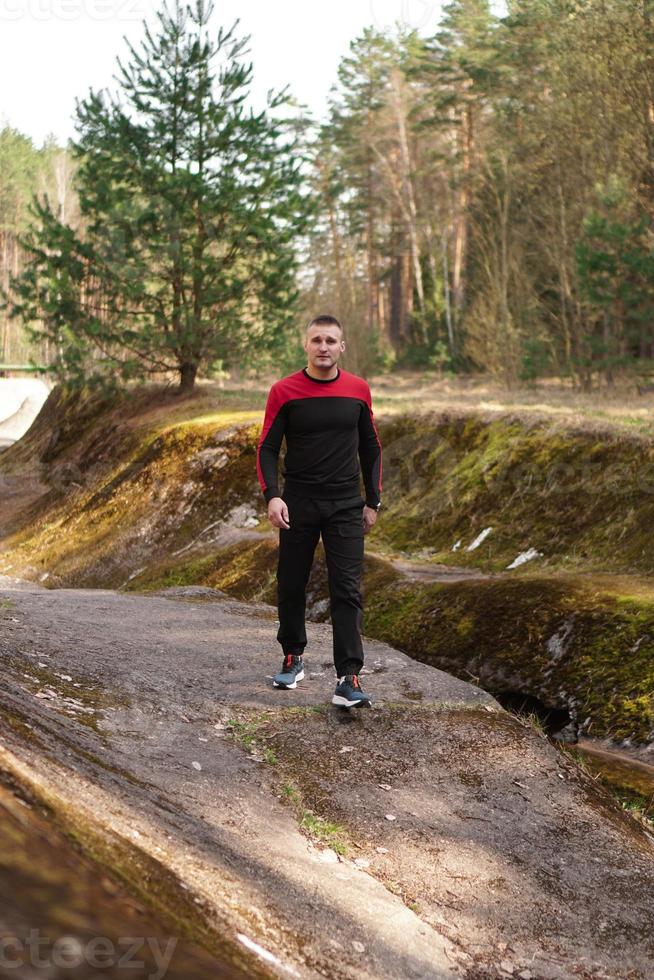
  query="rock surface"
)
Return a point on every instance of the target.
[{"x": 154, "y": 718}]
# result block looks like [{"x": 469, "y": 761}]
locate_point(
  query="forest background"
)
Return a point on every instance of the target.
[{"x": 477, "y": 200}]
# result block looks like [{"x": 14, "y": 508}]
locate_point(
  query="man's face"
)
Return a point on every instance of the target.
[{"x": 324, "y": 344}]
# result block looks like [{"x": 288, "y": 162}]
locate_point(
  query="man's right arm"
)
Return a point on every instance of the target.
[{"x": 270, "y": 441}]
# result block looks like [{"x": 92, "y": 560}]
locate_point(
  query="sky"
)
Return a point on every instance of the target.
[{"x": 52, "y": 51}]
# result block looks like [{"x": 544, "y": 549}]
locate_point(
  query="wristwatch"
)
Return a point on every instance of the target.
[{"x": 374, "y": 506}]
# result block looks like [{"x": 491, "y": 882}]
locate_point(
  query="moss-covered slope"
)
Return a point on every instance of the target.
[
  {"x": 582, "y": 498},
  {"x": 143, "y": 487},
  {"x": 566, "y": 641},
  {"x": 136, "y": 481}
]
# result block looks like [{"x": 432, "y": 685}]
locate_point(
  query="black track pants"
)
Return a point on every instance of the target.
[{"x": 341, "y": 524}]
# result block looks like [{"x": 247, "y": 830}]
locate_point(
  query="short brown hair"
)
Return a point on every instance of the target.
[{"x": 324, "y": 319}]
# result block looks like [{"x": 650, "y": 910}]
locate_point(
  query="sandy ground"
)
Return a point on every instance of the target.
[{"x": 503, "y": 858}]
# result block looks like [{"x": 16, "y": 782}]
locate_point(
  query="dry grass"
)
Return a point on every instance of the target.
[{"x": 618, "y": 407}]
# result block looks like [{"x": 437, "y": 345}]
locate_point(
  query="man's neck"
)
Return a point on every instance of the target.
[{"x": 328, "y": 374}]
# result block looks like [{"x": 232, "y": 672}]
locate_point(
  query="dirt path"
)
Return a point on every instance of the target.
[{"x": 151, "y": 722}]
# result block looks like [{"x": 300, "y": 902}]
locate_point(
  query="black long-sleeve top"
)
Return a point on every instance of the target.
[{"x": 329, "y": 426}]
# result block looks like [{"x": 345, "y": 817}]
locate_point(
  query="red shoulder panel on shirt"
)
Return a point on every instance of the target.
[{"x": 298, "y": 385}]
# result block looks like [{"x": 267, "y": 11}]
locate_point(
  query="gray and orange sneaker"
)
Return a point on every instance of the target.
[
  {"x": 348, "y": 693},
  {"x": 292, "y": 671}
]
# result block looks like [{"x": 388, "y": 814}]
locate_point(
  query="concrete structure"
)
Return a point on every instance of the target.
[{"x": 20, "y": 402}]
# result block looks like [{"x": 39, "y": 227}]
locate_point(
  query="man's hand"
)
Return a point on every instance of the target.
[
  {"x": 369, "y": 518},
  {"x": 278, "y": 512}
]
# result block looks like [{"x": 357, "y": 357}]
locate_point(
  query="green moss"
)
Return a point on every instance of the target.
[
  {"x": 290, "y": 793},
  {"x": 324, "y": 831},
  {"x": 17, "y": 722},
  {"x": 245, "y": 570},
  {"x": 641, "y": 807},
  {"x": 88, "y": 694},
  {"x": 192, "y": 571},
  {"x": 465, "y": 626},
  {"x": 446, "y": 478},
  {"x": 158, "y": 490},
  {"x": 630, "y": 784},
  {"x": 244, "y": 732},
  {"x": 555, "y": 638}
]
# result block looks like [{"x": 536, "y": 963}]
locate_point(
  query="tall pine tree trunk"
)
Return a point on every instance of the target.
[
  {"x": 461, "y": 225},
  {"x": 372, "y": 260},
  {"x": 407, "y": 186}
]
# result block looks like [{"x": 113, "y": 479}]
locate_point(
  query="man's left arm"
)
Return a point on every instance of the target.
[{"x": 370, "y": 453}]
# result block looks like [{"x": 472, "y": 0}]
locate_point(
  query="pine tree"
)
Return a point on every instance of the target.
[
  {"x": 190, "y": 206},
  {"x": 350, "y": 177},
  {"x": 464, "y": 61},
  {"x": 615, "y": 266},
  {"x": 19, "y": 163}
]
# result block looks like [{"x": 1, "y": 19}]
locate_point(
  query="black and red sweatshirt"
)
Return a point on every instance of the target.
[{"x": 327, "y": 425}]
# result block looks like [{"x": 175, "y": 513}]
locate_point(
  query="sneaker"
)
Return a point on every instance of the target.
[
  {"x": 348, "y": 693},
  {"x": 292, "y": 671}
]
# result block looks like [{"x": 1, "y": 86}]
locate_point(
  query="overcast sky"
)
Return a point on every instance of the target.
[{"x": 54, "y": 50}]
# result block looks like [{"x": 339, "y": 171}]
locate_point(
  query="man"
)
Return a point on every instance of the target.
[{"x": 325, "y": 414}]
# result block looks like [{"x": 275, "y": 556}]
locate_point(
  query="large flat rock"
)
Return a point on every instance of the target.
[{"x": 503, "y": 857}]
